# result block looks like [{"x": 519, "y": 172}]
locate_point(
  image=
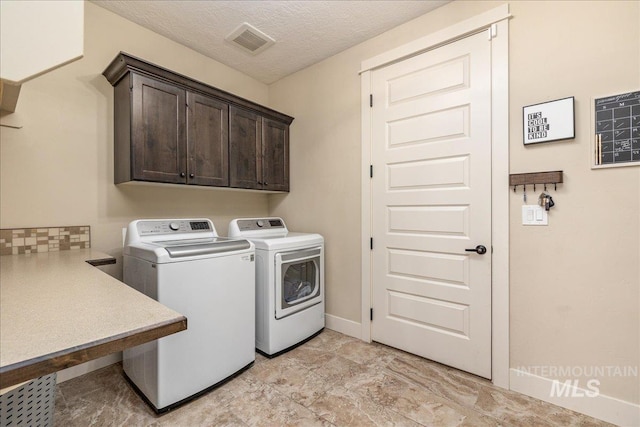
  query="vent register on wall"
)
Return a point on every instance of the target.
[{"x": 169, "y": 128}]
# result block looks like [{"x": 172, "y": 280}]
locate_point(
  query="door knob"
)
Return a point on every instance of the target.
[{"x": 481, "y": 250}]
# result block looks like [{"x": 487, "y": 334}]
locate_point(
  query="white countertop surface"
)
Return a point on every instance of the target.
[{"x": 53, "y": 304}]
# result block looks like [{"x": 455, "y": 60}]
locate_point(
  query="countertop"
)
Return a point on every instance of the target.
[{"x": 57, "y": 311}]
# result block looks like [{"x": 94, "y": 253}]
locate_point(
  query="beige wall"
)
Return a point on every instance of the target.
[
  {"x": 58, "y": 169},
  {"x": 574, "y": 284}
]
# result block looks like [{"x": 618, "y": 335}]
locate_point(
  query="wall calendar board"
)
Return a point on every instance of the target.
[{"x": 617, "y": 130}]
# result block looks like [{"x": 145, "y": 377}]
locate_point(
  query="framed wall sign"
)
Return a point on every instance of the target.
[{"x": 549, "y": 121}]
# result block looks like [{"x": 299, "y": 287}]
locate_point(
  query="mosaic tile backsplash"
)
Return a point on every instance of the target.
[{"x": 16, "y": 241}]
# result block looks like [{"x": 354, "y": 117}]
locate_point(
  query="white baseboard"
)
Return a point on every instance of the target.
[
  {"x": 90, "y": 366},
  {"x": 577, "y": 399},
  {"x": 344, "y": 326}
]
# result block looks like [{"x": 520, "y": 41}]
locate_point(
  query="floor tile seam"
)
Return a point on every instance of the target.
[
  {"x": 435, "y": 391},
  {"x": 447, "y": 370},
  {"x": 405, "y": 417},
  {"x": 299, "y": 365},
  {"x": 323, "y": 393},
  {"x": 412, "y": 383},
  {"x": 456, "y": 375},
  {"x": 302, "y": 365},
  {"x": 281, "y": 395},
  {"x": 448, "y": 399},
  {"x": 499, "y": 420},
  {"x": 317, "y": 415}
]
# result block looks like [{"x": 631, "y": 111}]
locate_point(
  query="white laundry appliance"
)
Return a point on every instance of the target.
[
  {"x": 183, "y": 264},
  {"x": 289, "y": 283}
]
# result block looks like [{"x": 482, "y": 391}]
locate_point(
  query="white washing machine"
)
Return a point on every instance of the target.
[
  {"x": 184, "y": 265},
  {"x": 289, "y": 283}
]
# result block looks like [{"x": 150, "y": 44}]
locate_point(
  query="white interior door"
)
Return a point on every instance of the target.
[{"x": 431, "y": 201}]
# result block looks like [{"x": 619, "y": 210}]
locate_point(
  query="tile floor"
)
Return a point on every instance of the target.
[{"x": 333, "y": 380}]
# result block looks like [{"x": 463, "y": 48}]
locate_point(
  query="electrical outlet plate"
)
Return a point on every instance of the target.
[{"x": 534, "y": 215}]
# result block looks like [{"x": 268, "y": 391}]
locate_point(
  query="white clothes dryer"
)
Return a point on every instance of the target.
[
  {"x": 289, "y": 283},
  {"x": 183, "y": 264}
]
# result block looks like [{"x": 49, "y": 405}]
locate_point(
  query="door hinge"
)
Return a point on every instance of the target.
[
  {"x": 370, "y": 171},
  {"x": 493, "y": 31},
  {"x": 371, "y": 314},
  {"x": 370, "y": 100},
  {"x": 371, "y": 243}
]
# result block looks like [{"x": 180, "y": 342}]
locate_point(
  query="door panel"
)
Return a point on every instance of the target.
[
  {"x": 275, "y": 155},
  {"x": 245, "y": 142},
  {"x": 207, "y": 140},
  {"x": 159, "y": 129},
  {"x": 431, "y": 200}
]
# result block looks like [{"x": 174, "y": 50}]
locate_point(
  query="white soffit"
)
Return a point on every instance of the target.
[{"x": 306, "y": 32}]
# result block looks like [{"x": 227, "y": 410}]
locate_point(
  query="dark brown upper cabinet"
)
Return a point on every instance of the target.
[
  {"x": 275, "y": 155},
  {"x": 245, "y": 148},
  {"x": 172, "y": 129},
  {"x": 207, "y": 140},
  {"x": 259, "y": 151},
  {"x": 158, "y": 125}
]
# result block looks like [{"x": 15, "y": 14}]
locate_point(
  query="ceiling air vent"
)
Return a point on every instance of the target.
[{"x": 250, "y": 39}]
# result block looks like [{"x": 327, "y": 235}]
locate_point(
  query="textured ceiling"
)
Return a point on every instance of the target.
[{"x": 306, "y": 32}]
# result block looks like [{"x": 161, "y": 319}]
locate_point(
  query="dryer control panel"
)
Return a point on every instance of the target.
[
  {"x": 257, "y": 227},
  {"x": 261, "y": 224}
]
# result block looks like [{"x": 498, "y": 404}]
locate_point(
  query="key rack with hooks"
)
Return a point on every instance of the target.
[{"x": 540, "y": 178}]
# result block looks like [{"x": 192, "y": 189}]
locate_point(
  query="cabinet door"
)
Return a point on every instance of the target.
[
  {"x": 158, "y": 131},
  {"x": 245, "y": 140},
  {"x": 207, "y": 141},
  {"x": 275, "y": 155}
]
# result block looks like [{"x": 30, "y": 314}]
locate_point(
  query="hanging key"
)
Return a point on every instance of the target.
[
  {"x": 541, "y": 199},
  {"x": 549, "y": 204}
]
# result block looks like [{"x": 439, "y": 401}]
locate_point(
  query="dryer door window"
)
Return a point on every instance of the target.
[{"x": 298, "y": 281}]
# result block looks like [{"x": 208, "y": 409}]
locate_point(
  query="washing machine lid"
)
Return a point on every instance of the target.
[
  {"x": 172, "y": 240},
  {"x": 195, "y": 247}
]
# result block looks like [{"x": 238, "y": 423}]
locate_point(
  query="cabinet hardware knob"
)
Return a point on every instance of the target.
[
  {"x": 260, "y": 182},
  {"x": 182, "y": 175},
  {"x": 191, "y": 175}
]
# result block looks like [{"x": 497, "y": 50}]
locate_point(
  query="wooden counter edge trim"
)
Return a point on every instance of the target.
[
  {"x": 101, "y": 261},
  {"x": 34, "y": 368}
]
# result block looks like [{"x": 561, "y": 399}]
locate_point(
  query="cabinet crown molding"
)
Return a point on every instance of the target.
[{"x": 124, "y": 63}]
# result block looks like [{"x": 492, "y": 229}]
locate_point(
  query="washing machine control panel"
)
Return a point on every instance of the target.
[{"x": 155, "y": 227}]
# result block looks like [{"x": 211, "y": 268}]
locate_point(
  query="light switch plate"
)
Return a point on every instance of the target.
[{"x": 534, "y": 215}]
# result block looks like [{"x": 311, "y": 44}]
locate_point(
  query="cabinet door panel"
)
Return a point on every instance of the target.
[
  {"x": 245, "y": 140},
  {"x": 275, "y": 155},
  {"x": 207, "y": 141},
  {"x": 158, "y": 131}
]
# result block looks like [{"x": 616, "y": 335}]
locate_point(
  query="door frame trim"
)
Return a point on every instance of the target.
[{"x": 496, "y": 23}]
